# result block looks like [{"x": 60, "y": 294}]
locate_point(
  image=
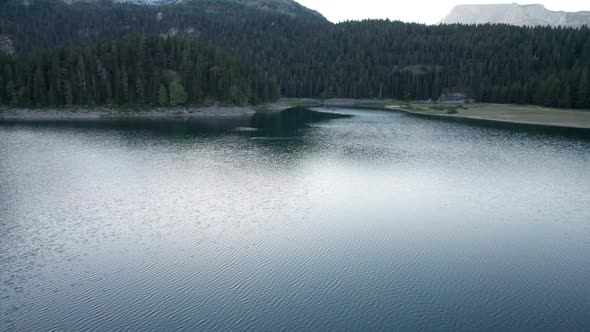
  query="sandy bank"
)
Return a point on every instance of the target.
[{"x": 518, "y": 114}]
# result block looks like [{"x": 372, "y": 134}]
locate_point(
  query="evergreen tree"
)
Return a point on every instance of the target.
[
  {"x": 68, "y": 95},
  {"x": 11, "y": 93},
  {"x": 82, "y": 88},
  {"x": 95, "y": 75},
  {"x": 126, "y": 98},
  {"x": 584, "y": 91},
  {"x": 308, "y": 56},
  {"x": 39, "y": 87},
  {"x": 565, "y": 101},
  {"x": 163, "y": 96},
  {"x": 178, "y": 94},
  {"x": 140, "y": 90}
]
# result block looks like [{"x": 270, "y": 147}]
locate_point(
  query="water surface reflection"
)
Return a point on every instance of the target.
[{"x": 324, "y": 219}]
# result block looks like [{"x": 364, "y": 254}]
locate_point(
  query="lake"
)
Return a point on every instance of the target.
[{"x": 326, "y": 219}]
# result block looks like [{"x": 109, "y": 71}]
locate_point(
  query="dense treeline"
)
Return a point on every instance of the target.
[
  {"x": 311, "y": 57},
  {"x": 136, "y": 70},
  {"x": 492, "y": 63}
]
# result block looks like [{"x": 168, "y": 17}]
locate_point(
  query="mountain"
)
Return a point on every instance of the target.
[
  {"x": 287, "y": 7},
  {"x": 29, "y": 24},
  {"x": 310, "y": 57},
  {"x": 515, "y": 14}
]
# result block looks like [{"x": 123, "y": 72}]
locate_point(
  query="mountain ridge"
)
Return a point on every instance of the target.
[
  {"x": 287, "y": 7},
  {"x": 515, "y": 14},
  {"x": 311, "y": 58}
]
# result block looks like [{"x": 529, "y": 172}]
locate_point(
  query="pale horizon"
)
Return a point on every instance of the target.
[{"x": 420, "y": 11}]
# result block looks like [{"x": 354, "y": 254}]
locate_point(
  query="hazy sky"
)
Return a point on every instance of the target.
[{"x": 423, "y": 11}]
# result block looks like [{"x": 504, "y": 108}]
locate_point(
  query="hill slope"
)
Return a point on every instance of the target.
[
  {"x": 312, "y": 57},
  {"x": 136, "y": 70},
  {"x": 285, "y": 7},
  {"x": 514, "y": 14}
]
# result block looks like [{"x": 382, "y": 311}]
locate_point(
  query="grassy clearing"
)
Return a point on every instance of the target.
[
  {"x": 435, "y": 108},
  {"x": 505, "y": 112},
  {"x": 295, "y": 102},
  {"x": 287, "y": 103}
]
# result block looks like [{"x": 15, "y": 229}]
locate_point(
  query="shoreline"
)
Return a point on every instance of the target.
[
  {"x": 121, "y": 113},
  {"x": 477, "y": 119},
  {"x": 526, "y": 115},
  {"x": 106, "y": 112},
  {"x": 482, "y": 113}
]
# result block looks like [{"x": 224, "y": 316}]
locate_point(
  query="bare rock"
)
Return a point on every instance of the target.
[{"x": 515, "y": 14}]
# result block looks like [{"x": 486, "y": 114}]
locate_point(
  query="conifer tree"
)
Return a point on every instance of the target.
[
  {"x": 163, "y": 96},
  {"x": 82, "y": 88},
  {"x": 83, "y": 75},
  {"x": 67, "y": 90},
  {"x": 584, "y": 91},
  {"x": 11, "y": 94},
  {"x": 178, "y": 94},
  {"x": 39, "y": 88},
  {"x": 126, "y": 98}
]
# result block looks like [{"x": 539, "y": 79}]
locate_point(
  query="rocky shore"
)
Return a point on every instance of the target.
[{"x": 108, "y": 112}]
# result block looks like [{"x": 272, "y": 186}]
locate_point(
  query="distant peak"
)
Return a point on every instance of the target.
[{"x": 515, "y": 14}]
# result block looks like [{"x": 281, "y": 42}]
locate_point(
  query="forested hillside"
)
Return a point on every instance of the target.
[
  {"x": 311, "y": 57},
  {"x": 136, "y": 70}
]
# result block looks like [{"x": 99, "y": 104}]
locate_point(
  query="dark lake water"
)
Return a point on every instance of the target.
[{"x": 326, "y": 220}]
